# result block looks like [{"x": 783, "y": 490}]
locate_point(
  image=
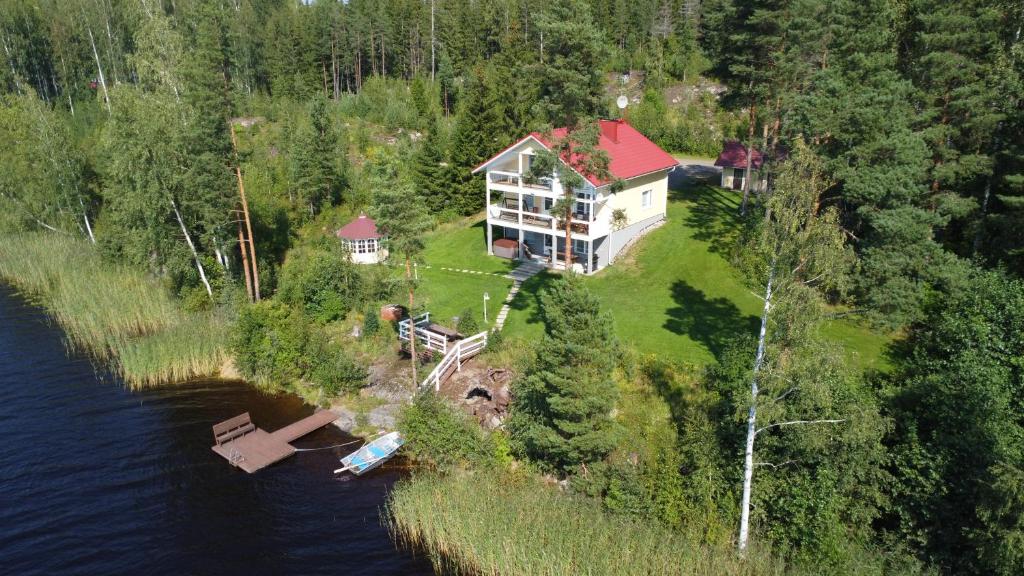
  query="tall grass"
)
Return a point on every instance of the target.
[
  {"x": 484, "y": 523},
  {"x": 112, "y": 312}
]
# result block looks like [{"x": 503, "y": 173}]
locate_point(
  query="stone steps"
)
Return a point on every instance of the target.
[{"x": 521, "y": 274}]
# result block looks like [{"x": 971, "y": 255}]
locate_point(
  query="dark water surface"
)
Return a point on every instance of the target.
[{"x": 95, "y": 479}]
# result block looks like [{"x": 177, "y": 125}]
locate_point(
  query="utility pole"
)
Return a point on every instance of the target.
[
  {"x": 245, "y": 215},
  {"x": 432, "y": 43}
]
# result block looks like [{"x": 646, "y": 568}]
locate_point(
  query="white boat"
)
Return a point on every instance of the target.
[{"x": 372, "y": 454}]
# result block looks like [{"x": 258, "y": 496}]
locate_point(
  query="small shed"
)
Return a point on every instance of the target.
[
  {"x": 363, "y": 241},
  {"x": 506, "y": 248},
  {"x": 733, "y": 161}
]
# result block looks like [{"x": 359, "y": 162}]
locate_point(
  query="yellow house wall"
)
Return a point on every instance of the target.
[{"x": 630, "y": 199}]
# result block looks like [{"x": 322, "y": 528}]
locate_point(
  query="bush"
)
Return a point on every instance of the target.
[
  {"x": 371, "y": 322},
  {"x": 443, "y": 436},
  {"x": 269, "y": 341},
  {"x": 334, "y": 370},
  {"x": 273, "y": 342},
  {"x": 324, "y": 282},
  {"x": 468, "y": 325},
  {"x": 495, "y": 341}
]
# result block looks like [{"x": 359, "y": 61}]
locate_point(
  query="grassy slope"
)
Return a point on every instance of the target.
[
  {"x": 675, "y": 294},
  {"x": 461, "y": 245}
]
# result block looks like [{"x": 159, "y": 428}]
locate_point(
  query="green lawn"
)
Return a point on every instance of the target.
[
  {"x": 446, "y": 294},
  {"x": 463, "y": 245},
  {"x": 675, "y": 294}
]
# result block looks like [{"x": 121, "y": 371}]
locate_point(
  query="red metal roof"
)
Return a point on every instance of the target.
[
  {"x": 362, "y": 228},
  {"x": 734, "y": 155},
  {"x": 630, "y": 153}
]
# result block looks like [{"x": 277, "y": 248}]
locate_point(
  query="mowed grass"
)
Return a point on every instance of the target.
[
  {"x": 675, "y": 293},
  {"x": 463, "y": 522},
  {"x": 463, "y": 245},
  {"x": 447, "y": 294},
  {"x": 114, "y": 313}
]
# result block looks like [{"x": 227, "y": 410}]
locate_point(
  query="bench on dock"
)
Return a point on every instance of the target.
[
  {"x": 250, "y": 448},
  {"x": 233, "y": 428}
]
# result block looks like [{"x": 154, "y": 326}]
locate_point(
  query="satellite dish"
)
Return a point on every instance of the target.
[{"x": 621, "y": 102}]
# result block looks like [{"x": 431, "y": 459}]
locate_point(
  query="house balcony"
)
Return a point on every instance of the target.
[
  {"x": 534, "y": 219},
  {"x": 516, "y": 182}
]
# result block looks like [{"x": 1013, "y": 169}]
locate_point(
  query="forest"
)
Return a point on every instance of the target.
[{"x": 172, "y": 171}]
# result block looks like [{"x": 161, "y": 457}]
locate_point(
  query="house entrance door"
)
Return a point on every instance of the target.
[{"x": 737, "y": 178}]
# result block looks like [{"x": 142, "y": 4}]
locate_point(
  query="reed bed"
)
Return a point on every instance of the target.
[
  {"x": 484, "y": 523},
  {"x": 112, "y": 312}
]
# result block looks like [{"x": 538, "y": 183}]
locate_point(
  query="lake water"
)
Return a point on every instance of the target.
[{"x": 96, "y": 479}]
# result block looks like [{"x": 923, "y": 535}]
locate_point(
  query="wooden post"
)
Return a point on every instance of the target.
[
  {"x": 245, "y": 262},
  {"x": 245, "y": 214}
]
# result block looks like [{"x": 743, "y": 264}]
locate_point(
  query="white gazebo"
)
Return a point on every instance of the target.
[{"x": 363, "y": 241}]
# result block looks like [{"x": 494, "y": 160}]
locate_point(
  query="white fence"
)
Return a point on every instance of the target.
[
  {"x": 432, "y": 340},
  {"x": 460, "y": 350}
]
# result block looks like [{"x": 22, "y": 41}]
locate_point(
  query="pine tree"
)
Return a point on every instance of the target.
[
  {"x": 569, "y": 71},
  {"x": 561, "y": 413},
  {"x": 860, "y": 117}
]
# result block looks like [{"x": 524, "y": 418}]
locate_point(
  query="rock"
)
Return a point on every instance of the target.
[
  {"x": 346, "y": 418},
  {"x": 383, "y": 417}
]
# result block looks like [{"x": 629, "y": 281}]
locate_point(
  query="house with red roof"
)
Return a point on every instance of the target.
[
  {"x": 606, "y": 218},
  {"x": 365, "y": 244},
  {"x": 733, "y": 161}
]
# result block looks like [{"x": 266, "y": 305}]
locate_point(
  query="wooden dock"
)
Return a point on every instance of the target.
[{"x": 250, "y": 448}]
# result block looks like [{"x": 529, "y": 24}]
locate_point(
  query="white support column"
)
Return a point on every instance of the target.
[
  {"x": 519, "y": 249},
  {"x": 590, "y": 256},
  {"x": 490, "y": 242}
]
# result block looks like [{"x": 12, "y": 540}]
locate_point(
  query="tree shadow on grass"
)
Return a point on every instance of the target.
[
  {"x": 714, "y": 218},
  {"x": 713, "y": 322},
  {"x": 527, "y": 301}
]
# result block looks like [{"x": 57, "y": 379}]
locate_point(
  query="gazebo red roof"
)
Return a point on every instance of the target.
[
  {"x": 630, "y": 153},
  {"x": 734, "y": 155},
  {"x": 362, "y": 228}
]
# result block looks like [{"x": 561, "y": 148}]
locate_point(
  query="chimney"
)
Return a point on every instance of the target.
[{"x": 610, "y": 130}]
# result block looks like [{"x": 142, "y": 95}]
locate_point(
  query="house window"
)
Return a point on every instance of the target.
[
  {"x": 645, "y": 199},
  {"x": 579, "y": 246},
  {"x": 549, "y": 203}
]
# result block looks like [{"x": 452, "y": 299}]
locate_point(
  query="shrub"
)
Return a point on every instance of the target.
[
  {"x": 324, "y": 282},
  {"x": 269, "y": 341},
  {"x": 371, "y": 322},
  {"x": 495, "y": 341},
  {"x": 441, "y": 435},
  {"x": 467, "y": 323},
  {"x": 336, "y": 372}
]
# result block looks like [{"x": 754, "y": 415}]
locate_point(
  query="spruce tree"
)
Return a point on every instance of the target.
[
  {"x": 313, "y": 159},
  {"x": 402, "y": 217},
  {"x": 431, "y": 173},
  {"x": 561, "y": 413},
  {"x": 472, "y": 142}
]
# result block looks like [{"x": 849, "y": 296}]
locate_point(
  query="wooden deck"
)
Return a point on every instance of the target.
[{"x": 250, "y": 448}]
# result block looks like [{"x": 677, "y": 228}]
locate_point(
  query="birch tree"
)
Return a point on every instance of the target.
[{"x": 797, "y": 252}]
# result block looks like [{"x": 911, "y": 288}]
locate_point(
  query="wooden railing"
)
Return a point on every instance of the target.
[
  {"x": 432, "y": 340},
  {"x": 452, "y": 361}
]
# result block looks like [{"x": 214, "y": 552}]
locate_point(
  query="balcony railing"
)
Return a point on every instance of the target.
[
  {"x": 507, "y": 178},
  {"x": 518, "y": 180}
]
